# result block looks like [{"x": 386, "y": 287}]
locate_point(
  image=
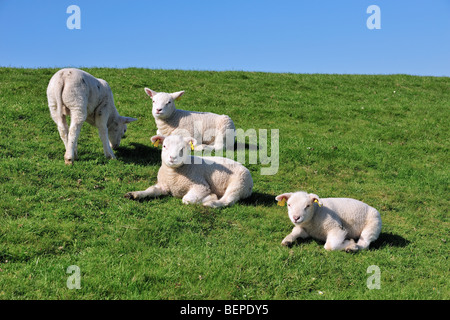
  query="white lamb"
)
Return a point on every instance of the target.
[
  {"x": 337, "y": 221},
  {"x": 76, "y": 93},
  {"x": 207, "y": 128},
  {"x": 211, "y": 181}
]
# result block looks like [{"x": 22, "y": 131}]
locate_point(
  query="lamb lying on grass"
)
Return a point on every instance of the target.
[
  {"x": 76, "y": 93},
  {"x": 337, "y": 221},
  {"x": 212, "y": 181},
  {"x": 210, "y": 128}
]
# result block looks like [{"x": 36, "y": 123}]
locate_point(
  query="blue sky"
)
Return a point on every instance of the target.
[{"x": 315, "y": 36}]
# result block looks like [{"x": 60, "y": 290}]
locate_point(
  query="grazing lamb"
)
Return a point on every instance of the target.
[
  {"x": 212, "y": 181},
  {"x": 337, "y": 221},
  {"x": 207, "y": 128},
  {"x": 76, "y": 93}
]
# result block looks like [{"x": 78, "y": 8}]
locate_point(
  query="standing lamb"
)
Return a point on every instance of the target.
[
  {"x": 212, "y": 181},
  {"x": 76, "y": 93},
  {"x": 207, "y": 128},
  {"x": 337, "y": 221}
]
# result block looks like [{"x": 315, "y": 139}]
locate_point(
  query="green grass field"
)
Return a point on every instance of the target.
[{"x": 381, "y": 139}]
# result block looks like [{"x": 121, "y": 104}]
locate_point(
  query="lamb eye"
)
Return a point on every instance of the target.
[
  {"x": 307, "y": 206},
  {"x": 180, "y": 153}
]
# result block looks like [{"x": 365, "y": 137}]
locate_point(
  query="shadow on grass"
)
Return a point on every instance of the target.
[
  {"x": 246, "y": 146},
  {"x": 258, "y": 198},
  {"x": 139, "y": 154},
  {"x": 389, "y": 240},
  {"x": 143, "y": 154},
  {"x": 384, "y": 240}
]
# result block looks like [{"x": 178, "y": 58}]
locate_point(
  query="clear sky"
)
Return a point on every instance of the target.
[{"x": 314, "y": 36}]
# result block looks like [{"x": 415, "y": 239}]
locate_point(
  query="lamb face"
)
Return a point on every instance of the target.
[
  {"x": 301, "y": 210},
  {"x": 163, "y": 106},
  {"x": 300, "y": 206},
  {"x": 116, "y": 131},
  {"x": 175, "y": 150},
  {"x": 163, "y": 103}
]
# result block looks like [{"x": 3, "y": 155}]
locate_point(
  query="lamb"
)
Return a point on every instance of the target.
[
  {"x": 211, "y": 181},
  {"x": 211, "y": 130},
  {"x": 76, "y": 93},
  {"x": 337, "y": 221}
]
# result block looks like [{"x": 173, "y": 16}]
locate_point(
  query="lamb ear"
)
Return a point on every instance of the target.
[
  {"x": 158, "y": 137},
  {"x": 191, "y": 140},
  {"x": 315, "y": 198},
  {"x": 128, "y": 119},
  {"x": 283, "y": 196},
  {"x": 150, "y": 92},
  {"x": 177, "y": 95}
]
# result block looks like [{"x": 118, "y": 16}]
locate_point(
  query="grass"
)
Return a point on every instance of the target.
[{"x": 380, "y": 139}]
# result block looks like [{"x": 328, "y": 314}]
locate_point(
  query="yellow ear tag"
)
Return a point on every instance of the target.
[
  {"x": 282, "y": 202},
  {"x": 156, "y": 143},
  {"x": 192, "y": 145},
  {"x": 317, "y": 201}
]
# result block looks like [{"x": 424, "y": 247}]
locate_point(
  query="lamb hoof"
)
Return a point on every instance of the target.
[
  {"x": 351, "y": 249},
  {"x": 213, "y": 204},
  {"x": 286, "y": 243},
  {"x": 68, "y": 162},
  {"x": 110, "y": 156},
  {"x": 130, "y": 195}
]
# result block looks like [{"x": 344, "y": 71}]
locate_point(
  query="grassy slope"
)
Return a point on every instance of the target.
[{"x": 381, "y": 139}]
